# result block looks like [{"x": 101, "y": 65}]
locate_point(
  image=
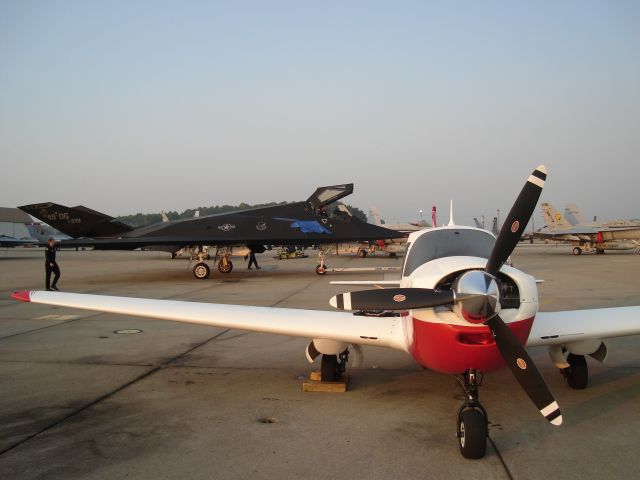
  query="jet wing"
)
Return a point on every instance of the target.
[
  {"x": 6, "y": 241},
  {"x": 318, "y": 324},
  {"x": 591, "y": 231},
  {"x": 552, "y": 328}
]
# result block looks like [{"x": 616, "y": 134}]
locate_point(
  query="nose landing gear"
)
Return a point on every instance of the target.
[{"x": 472, "y": 419}]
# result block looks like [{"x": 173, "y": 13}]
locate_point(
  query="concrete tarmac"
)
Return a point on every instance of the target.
[{"x": 78, "y": 400}]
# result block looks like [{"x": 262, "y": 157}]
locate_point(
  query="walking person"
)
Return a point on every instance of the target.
[
  {"x": 50, "y": 265},
  {"x": 253, "y": 261}
]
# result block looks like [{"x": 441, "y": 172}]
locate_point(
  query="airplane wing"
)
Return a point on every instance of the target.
[
  {"x": 553, "y": 328},
  {"x": 317, "y": 324},
  {"x": 6, "y": 241}
]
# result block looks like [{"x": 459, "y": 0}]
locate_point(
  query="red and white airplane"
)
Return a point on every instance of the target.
[{"x": 458, "y": 309}]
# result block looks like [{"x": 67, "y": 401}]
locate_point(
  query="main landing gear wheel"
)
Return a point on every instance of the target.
[
  {"x": 577, "y": 373},
  {"x": 321, "y": 269},
  {"x": 362, "y": 253},
  {"x": 201, "y": 271},
  {"x": 577, "y": 251},
  {"x": 599, "y": 251},
  {"x": 225, "y": 267},
  {"x": 329, "y": 368},
  {"x": 472, "y": 433}
]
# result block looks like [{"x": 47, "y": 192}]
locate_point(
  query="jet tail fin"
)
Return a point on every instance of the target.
[
  {"x": 375, "y": 216},
  {"x": 553, "y": 219},
  {"x": 77, "y": 221},
  {"x": 573, "y": 215}
]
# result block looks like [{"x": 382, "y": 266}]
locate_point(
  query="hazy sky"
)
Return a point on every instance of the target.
[{"x": 141, "y": 106}]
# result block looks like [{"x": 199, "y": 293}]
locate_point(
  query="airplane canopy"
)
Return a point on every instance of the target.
[{"x": 326, "y": 195}]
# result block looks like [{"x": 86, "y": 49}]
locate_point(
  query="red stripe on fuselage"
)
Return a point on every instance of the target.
[{"x": 448, "y": 348}]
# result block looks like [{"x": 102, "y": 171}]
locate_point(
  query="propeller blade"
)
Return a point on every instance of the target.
[
  {"x": 525, "y": 371},
  {"x": 517, "y": 220},
  {"x": 392, "y": 299}
]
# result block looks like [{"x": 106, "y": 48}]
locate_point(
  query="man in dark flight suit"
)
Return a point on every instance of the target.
[
  {"x": 50, "y": 265},
  {"x": 253, "y": 261}
]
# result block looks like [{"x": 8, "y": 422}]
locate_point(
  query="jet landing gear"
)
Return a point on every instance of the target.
[
  {"x": 321, "y": 268},
  {"x": 225, "y": 265},
  {"x": 472, "y": 419},
  {"x": 201, "y": 270}
]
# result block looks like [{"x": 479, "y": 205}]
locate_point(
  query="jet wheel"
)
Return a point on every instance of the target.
[
  {"x": 222, "y": 268},
  {"x": 577, "y": 251},
  {"x": 362, "y": 253},
  {"x": 201, "y": 271},
  {"x": 329, "y": 368},
  {"x": 472, "y": 433},
  {"x": 321, "y": 269},
  {"x": 577, "y": 373}
]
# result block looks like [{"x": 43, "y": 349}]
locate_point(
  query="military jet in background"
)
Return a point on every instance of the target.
[
  {"x": 573, "y": 214},
  {"x": 6, "y": 241},
  {"x": 394, "y": 246},
  {"x": 230, "y": 234},
  {"x": 588, "y": 238}
]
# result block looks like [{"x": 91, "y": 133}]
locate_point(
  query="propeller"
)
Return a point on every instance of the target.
[
  {"x": 392, "y": 299},
  {"x": 515, "y": 223},
  {"x": 476, "y": 293}
]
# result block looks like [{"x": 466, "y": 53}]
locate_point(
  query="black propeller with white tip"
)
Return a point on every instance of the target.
[
  {"x": 392, "y": 299},
  {"x": 515, "y": 223},
  {"x": 478, "y": 292}
]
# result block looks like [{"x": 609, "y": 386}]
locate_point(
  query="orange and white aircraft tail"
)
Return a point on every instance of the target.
[{"x": 553, "y": 219}]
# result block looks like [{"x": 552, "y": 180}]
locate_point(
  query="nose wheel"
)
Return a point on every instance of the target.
[{"x": 473, "y": 428}]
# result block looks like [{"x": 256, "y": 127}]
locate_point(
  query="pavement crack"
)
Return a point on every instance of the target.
[
  {"x": 504, "y": 464},
  {"x": 111, "y": 393}
]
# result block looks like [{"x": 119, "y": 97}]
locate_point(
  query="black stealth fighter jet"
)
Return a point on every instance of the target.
[{"x": 237, "y": 233}]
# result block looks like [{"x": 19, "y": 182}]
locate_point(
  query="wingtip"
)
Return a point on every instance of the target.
[{"x": 23, "y": 296}]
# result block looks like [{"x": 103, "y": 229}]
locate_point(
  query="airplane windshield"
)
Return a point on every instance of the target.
[{"x": 448, "y": 243}]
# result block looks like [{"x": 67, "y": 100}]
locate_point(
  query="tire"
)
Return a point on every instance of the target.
[
  {"x": 599, "y": 251},
  {"x": 577, "y": 374},
  {"x": 321, "y": 269},
  {"x": 362, "y": 254},
  {"x": 393, "y": 255},
  {"x": 329, "y": 368},
  {"x": 201, "y": 271},
  {"x": 577, "y": 251},
  {"x": 173, "y": 255},
  {"x": 472, "y": 434},
  {"x": 225, "y": 269}
]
